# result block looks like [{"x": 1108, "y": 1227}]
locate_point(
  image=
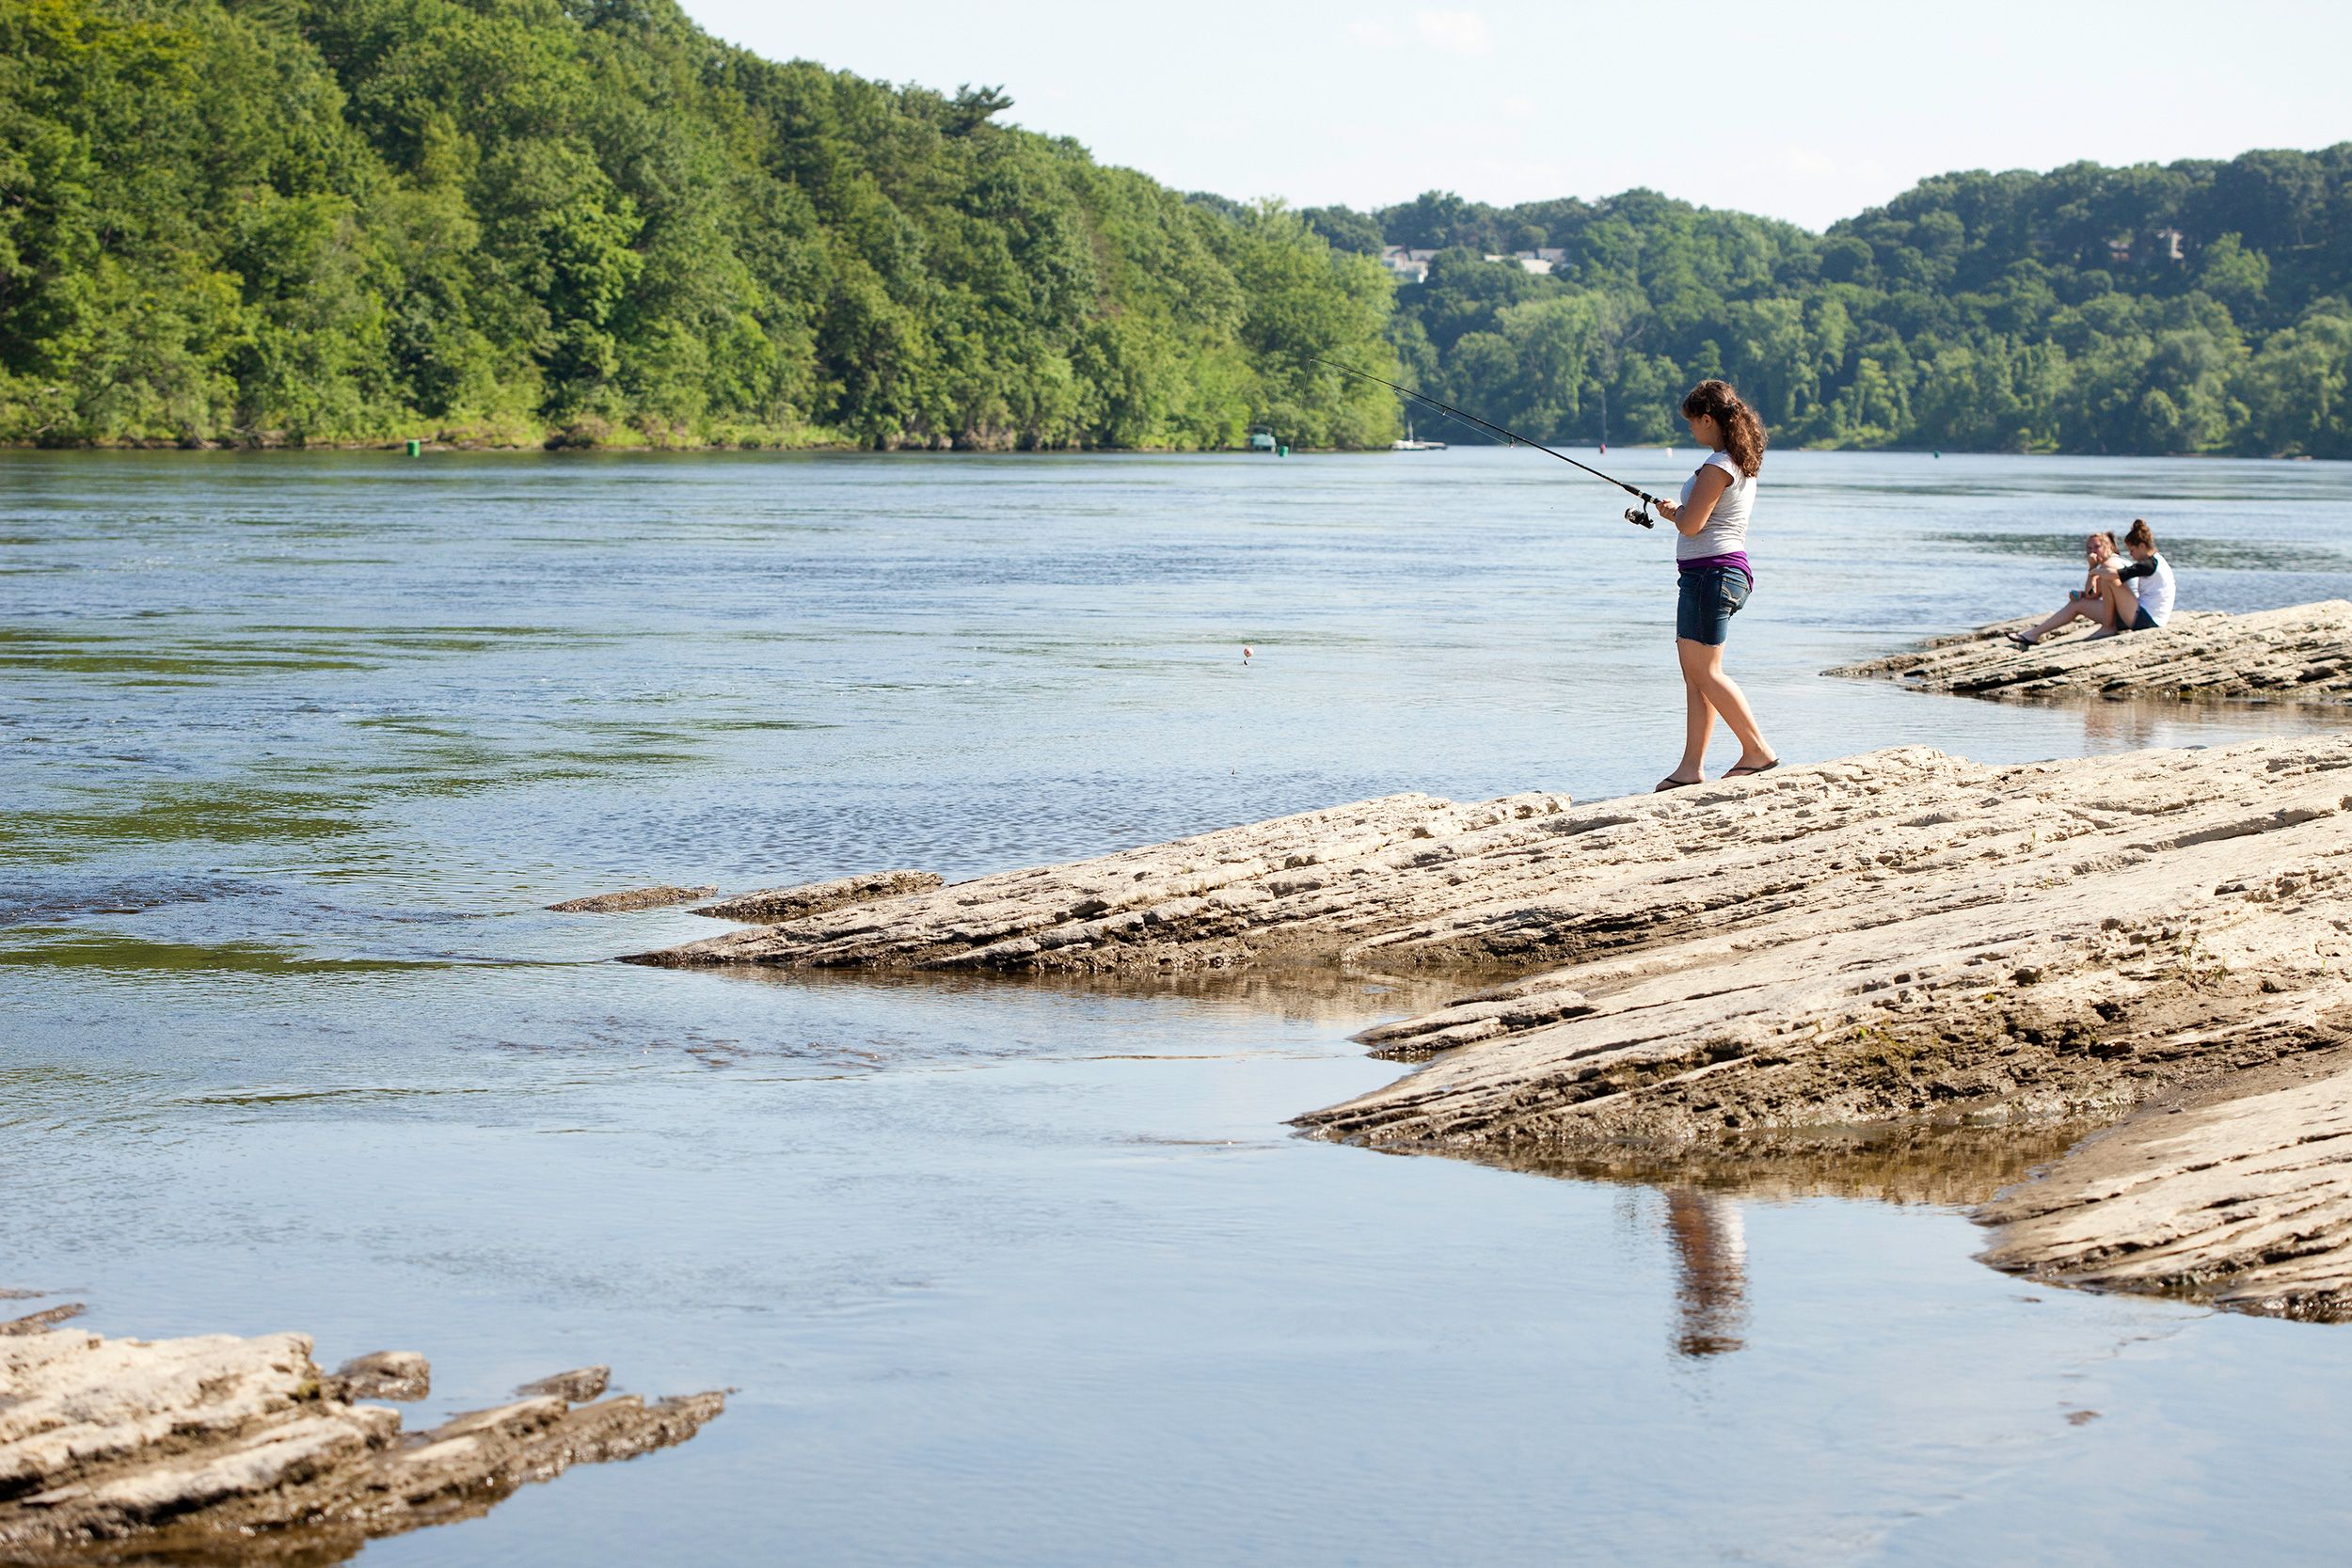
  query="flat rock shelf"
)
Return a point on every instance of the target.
[
  {"x": 1900, "y": 939},
  {"x": 221, "y": 1449},
  {"x": 2302, "y": 654}
]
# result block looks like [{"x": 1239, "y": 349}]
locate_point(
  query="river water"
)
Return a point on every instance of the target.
[{"x": 297, "y": 745}]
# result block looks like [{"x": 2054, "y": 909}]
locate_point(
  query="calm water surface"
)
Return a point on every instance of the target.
[{"x": 297, "y": 745}]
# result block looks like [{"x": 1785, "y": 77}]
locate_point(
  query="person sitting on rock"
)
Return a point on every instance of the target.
[
  {"x": 2151, "y": 576},
  {"x": 2102, "y": 599}
]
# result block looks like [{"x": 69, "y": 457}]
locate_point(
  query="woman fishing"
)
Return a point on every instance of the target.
[{"x": 1714, "y": 578}]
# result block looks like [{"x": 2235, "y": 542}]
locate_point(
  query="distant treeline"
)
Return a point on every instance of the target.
[
  {"x": 2195, "y": 307},
  {"x": 587, "y": 220}
]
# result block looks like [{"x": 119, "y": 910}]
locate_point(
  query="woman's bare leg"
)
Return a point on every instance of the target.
[
  {"x": 1702, "y": 671},
  {"x": 2083, "y": 610},
  {"x": 2119, "y": 606},
  {"x": 1698, "y": 716}
]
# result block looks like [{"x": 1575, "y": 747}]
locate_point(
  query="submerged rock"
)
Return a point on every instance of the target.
[
  {"x": 1904, "y": 938},
  {"x": 38, "y": 1323},
  {"x": 770, "y": 906},
  {"x": 401, "y": 1375},
  {"x": 218, "y": 1449},
  {"x": 579, "y": 1386},
  {"x": 631, "y": 898},
  {"x": 2302, "y": 654}
]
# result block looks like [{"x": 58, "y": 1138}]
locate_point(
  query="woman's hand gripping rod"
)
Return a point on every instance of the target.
[{"x": 1638, "y": 515}]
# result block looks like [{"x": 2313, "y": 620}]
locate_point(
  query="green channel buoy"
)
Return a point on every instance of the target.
[{"x": 415, "y": 449}]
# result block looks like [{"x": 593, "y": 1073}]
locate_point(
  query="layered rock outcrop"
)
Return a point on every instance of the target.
[
  {"x": 1901, "y": 938},
  {"x": 770, "y": 904},
  {"x": 1297, "y": 887},
  {"x": 218, "y": 1449},
  {"x": 2241, "y": 1195},
  {"x": 630, "y": 900},
  {"x": 2302, "y": 654}
]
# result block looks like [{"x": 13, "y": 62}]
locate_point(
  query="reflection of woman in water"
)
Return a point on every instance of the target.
[{"x": 1711, "y": 1284}]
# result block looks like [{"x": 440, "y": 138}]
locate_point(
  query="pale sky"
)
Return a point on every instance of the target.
[{"x": 1808, "y": 111}]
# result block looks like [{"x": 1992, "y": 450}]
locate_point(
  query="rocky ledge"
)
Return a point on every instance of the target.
[
  {"x": 1904, "y": 938},
  {"x": 2302, "y": 654},
  {"x": 225, "y": 1449},
  {"x": 630, "y": 900}
]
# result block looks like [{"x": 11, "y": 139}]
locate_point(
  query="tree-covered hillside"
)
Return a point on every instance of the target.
[
  {"x": 319, "y": 220},
  {"x": 2196, "y": 306},
  {"x": 586, "y": 220}
]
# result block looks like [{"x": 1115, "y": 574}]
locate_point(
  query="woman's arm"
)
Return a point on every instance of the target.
[{"x": 1689, "y": 519}]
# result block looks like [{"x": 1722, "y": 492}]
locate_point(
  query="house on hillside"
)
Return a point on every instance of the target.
[
  {"x": 1541, "y": 261},
  {"x": 1411, "y": 265},
  {"x": 1408, "y": 265},
  {"x": 2164, "y": 245}
]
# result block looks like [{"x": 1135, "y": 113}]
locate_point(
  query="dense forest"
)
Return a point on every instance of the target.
[
  {"x": 588, "y": 221},
  {"x": 2199, "y": 307}
]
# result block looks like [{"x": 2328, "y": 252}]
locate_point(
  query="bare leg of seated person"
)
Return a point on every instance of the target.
[
  {"x": 2095, "y": 610},
  {"x": 2118, "y": 606}
]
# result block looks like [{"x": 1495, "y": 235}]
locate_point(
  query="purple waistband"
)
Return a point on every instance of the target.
[{"x": 1737, "y": 560}]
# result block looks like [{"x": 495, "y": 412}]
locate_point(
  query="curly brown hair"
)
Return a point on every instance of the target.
[{"x": 1743, "y": 432}]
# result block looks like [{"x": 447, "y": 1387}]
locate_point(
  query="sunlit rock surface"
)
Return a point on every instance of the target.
[
  {"x": 2302, "y": 654},
  {"x": 1298, "y": 886},
  {"x": 225, "y": 1449},
  {"x": 2243, "y": 1196}
]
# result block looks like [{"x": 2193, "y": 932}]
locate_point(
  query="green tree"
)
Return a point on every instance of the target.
[
  {"x": 549, "y": 219},
  {"x": 2189, "y": 307}
]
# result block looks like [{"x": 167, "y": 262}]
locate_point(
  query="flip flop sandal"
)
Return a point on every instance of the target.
[
  {"x": 2021, "y": 639},
  {"x": 1750, "y": 772},
  {"x": 1665, "y": 785}
]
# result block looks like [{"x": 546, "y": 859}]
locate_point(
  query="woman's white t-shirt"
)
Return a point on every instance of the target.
[
  {"x": 1727, "y": 529},
  {"x": 2156, "y": 590}
]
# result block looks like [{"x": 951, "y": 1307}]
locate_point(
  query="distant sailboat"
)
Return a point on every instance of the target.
[{"x": 1408, "y": 444}]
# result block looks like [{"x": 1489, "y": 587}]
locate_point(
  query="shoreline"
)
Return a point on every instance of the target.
[{"x": 560, "y": 443}]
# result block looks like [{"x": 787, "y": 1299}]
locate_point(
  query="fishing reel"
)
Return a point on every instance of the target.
[{"x": 1638, "y": 515}]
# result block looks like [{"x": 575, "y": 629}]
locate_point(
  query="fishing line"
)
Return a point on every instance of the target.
[{"x": 1638, "y": 516}]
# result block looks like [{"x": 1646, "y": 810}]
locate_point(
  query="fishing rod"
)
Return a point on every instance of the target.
[{"x": 1636, "y": 514}]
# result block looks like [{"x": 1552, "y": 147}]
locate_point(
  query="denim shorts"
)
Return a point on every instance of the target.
[
  {"x": 1705, "y": 601},
  {"x": 2142, "y": 620}
]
